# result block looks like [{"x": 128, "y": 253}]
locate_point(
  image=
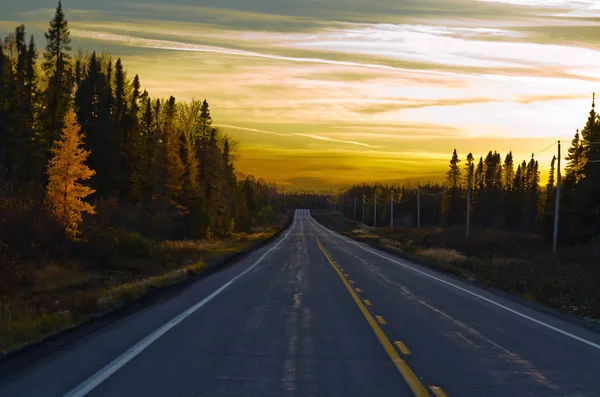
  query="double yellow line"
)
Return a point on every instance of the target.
[{"x": 409, "y": 376}]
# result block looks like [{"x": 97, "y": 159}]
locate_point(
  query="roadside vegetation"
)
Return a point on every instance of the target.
[
  {"x": 516, "y": 262},
  {"x": 511, "y": 214},
  {"x": 106, "y": 192},
  {"x": 45, "y": 291}
]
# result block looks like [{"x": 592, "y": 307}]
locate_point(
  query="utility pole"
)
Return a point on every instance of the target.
[
  {"x": 392, "y": 209},
  {"x": 363, "y": 215},
  {"x": 374, "y": 209},
  {"x": 354, "y": 216},
  {"x": 469, "y": 203},
  {"x": 419, "y": 205},
  {"x": 557, "y": 207}
]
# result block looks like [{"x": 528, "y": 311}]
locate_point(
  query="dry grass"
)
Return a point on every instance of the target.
[{"x": 443, "y": 256}]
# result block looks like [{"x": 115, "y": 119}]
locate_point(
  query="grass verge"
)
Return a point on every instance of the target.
[{"x": 60, "y": 296}]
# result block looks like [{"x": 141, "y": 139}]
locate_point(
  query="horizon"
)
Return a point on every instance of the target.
[{"x": 320, "y": 98}]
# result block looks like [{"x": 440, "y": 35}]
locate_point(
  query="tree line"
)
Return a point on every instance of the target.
[
  {"x": 154, "y": 165},
  {"x": 504, "y": 193}
]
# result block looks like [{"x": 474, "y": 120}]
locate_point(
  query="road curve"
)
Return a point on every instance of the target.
[{"x": 317, "y": 314}]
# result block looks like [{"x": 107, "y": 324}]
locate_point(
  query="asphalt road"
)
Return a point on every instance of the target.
[{"x": 317, "y": 314}]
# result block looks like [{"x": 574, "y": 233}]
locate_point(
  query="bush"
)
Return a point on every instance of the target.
[
  {"x": 110, "y": 246},
  {"x": 27, "y": 229}
]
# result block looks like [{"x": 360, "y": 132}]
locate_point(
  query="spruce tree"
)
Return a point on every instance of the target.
[
  {"x": 575, "y": 159},
  {"x": 452, "y": 206},
  {"x": 589, "y": 191},
  {"x": 547, "y": 222},
  {"x": 56, "y": 66},
  {"x": 5, "y": 77},
  {"x": 191, "y": 192},
  {"x": 508, "y": 171}
]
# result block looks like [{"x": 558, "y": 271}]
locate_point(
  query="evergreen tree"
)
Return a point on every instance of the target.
[
  {"x": 64, "y": 195},
  {"x": 135, "y": 148},
  {"x": 121, "y": 125},
  {"x": 57, "y": 95},
  {"x": 20, "y": 74},
  {"x": 5, "y": 98},
  {"x": 191, "y": 191},
  {"x": 508, "y": 171},
  {"x": 575, "y": 159},
  {"x": 169, "y": 159},
  {"x": 452, "y": 204},
  {"x": 34, "y": 152},
  {"x": 589, "y": 191},
  {"x": 549, "y": 201}
]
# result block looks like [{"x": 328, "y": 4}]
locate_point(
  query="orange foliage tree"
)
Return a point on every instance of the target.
[{"x": 64, "y": 194}]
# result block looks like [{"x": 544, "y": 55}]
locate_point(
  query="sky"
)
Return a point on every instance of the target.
[{"x": 322, "y": 94}]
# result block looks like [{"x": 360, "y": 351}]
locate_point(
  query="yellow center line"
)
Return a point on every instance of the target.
[
  {"x": 381, "y": 320},
  {"x": 367, "y": 302},
  {"x": 409, "y": 376},
  {"x": 402, "y": 347},
  {"x": 438, "y": 391}
]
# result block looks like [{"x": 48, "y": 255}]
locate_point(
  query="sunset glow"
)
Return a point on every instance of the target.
[{"x": 326, "y": 93}]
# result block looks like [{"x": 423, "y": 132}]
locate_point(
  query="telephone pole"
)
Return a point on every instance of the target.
[
  {"x": 469, "y": 203},
  {"x": 363, "y": 214},
  {"x": 557, "y": 207},
  {"x": 374, "y": 209},
  {"x": 392, "y": 209},
  {"x": 354, "y": 216},
  {"x": 419, "y": 206}
]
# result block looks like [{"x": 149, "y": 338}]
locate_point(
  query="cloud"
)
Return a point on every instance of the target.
[
  {"x": 323, "y": 138},
  {"x": 411, "y": 104},
  {"x": 311, "y": 136},
  {"x": 326, "y": 92}
]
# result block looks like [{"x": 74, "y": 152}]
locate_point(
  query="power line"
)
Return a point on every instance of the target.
[
  {"x": 433, "y": 194},
  {"x": 405, "y": 201},
  {"x": 542, "y": 151}
]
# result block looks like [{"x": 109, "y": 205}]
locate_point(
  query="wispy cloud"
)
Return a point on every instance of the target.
[
  {"x": 323, "y": 138},
  {"x": 333, "y": 91},
  {"x": 310, "y": 136}
]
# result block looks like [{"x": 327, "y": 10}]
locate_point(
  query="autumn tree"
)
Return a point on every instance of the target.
[{"x": 66, "y": 168}]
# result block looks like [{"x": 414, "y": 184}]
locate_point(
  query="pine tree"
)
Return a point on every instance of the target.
[
  {"x": 64, "y": 195},
  {"x": 57, "y": 95},
  {"x": 191, "y": 192},
  {"x": 5, "y": 97},
  {"x": 135, "y": 166},
  {"x": 34, "y": 152},
  {"x": 452, "y": 205},
  {"x": 575, "y": 159},
  {"x": 508, "y": 171},
  {"x": 20, "y": 73},
  {"x": 172, "y": 167},
  {"x": 549, "y": 201},
  {"x": 589, "y": 191}
]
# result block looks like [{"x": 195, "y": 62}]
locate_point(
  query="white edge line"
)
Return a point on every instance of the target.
[
  {"x": 93, "y": 381},
  {"x": 551, "y": 327}
]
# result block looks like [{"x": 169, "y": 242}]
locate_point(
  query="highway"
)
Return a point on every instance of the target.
[{"x": 316, "y": 314}]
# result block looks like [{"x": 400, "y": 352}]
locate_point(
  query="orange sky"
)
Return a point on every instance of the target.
[{"x": 323, "y": 93}]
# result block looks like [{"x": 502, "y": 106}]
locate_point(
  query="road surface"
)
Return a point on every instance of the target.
[{"x": 317, "y": 314}]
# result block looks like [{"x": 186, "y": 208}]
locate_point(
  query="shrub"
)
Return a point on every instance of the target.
[{"x": 443, "y": 256}]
